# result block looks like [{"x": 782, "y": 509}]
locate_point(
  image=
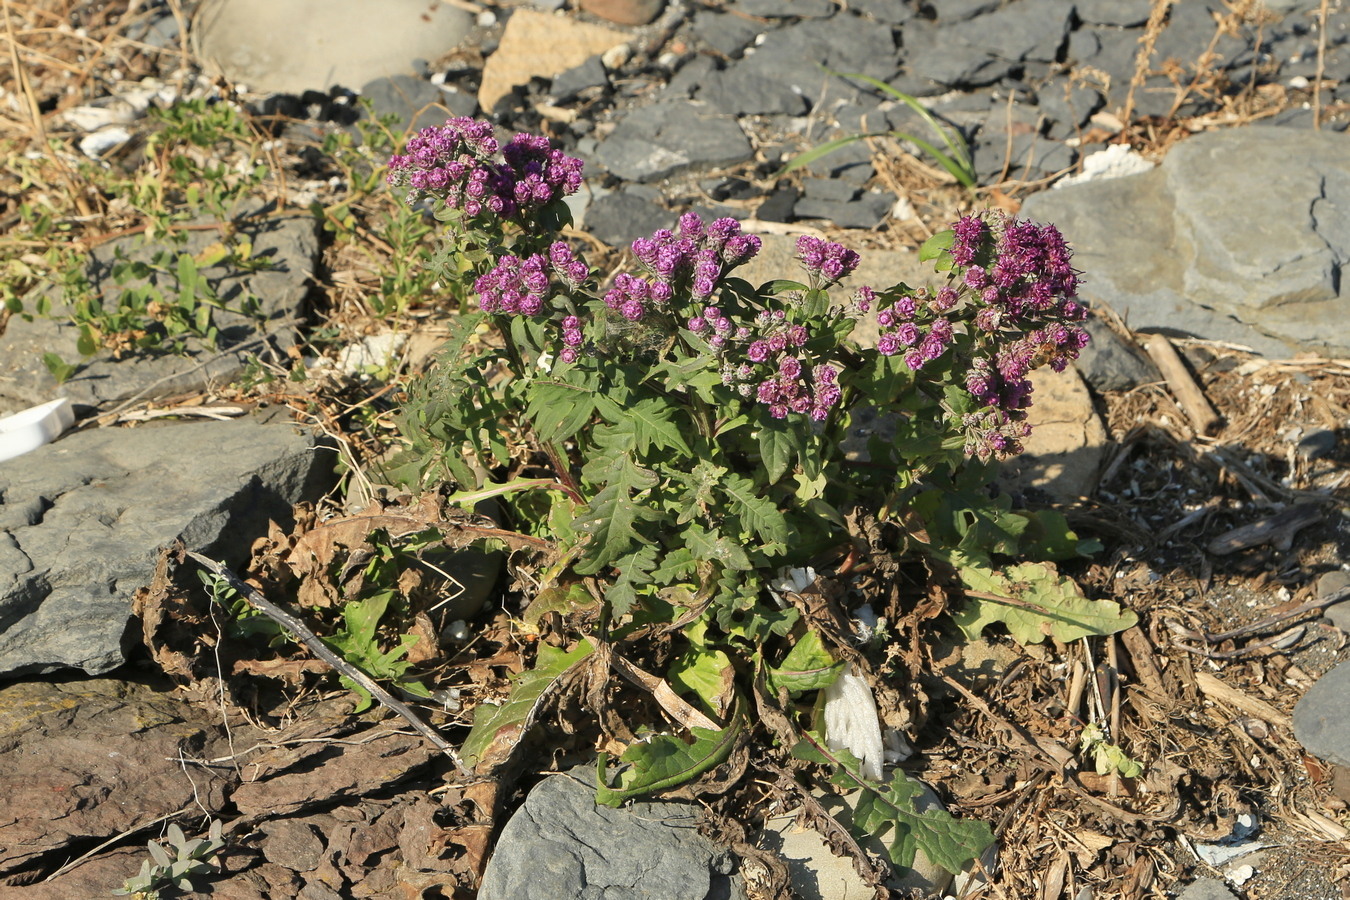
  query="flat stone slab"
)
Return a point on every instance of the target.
[
  {"x": 1239, "y": 235},
  {"x": 86, "y": 760},
  {"x": 669, "y": 137},
  {"x": 289, "y": 242},
  {"x": 297, "y": 45},
  {"x": 82, "y": 521},
  {"x": 1322, "y": 718}
]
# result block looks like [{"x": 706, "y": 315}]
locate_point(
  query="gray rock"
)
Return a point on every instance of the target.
[
  {"x": 1337, "y": 613},
  {"x": 290, "y": 242},
  {"x": 828, "y": 189},
  {"x": 256, "y": 42},
  {"x": 776, "y": 78},
  {"x": 960, "y": 10},
  {"x": 417, "y": 103},
  {"x": 851, "y": 163},
  {"x": 588, "y": 75},
  {"x": 1027, "y": 157},
  {"x": 1027, "y": 30},
  {"x": 777, "y": 9},
  {"x": 868, "y": 211},
  {"x": 82, "y": 521},
  {"x": 1127, "y": 13},
  {"x": 1178, "y": 249},
  {"x": 1322, "y": 718},
  {"x": 726, "y": 33},
  {"x": 1068, "y": 106},
  {"x": 939, "y": 57},
  {"x": 619, "y": 218},
  {"x": 560, "y": 843},
  {"x": 664, "y": 138},
  {"x": 892, "y": 12},
  {"x": 691, "y": 76},
  {"x": 1207, "y": 889},
  {"x": 1109, "y": 363}
]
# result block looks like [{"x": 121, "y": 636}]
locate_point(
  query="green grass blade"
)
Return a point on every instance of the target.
[
  {"x": 957, "y": 149},
  {"x": 816, "y": 153}
]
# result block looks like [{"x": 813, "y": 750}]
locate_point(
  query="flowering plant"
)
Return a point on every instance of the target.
[{"x": 682, "y": 434}]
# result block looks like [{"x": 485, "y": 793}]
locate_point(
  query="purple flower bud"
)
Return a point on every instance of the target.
[
  {"x": 698, "y": 325},
  {"x": 758, "y": 351}
]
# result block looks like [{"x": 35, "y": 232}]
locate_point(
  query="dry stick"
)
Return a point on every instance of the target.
[
  {"x": 1321, "y": 65},
  {"x": 113, "y": 840},
  {"x": 320, "y": 649},
  {"x": 1192, "y": 399}
]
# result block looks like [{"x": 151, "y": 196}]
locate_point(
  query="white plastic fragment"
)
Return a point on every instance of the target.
[
  {"x": 852, "y": 722},
  {"x": 33, "y": 427},
  {"x": 791, "y": 580},
  {"x": 100, "y": 142},
  {"x": 1116, "y": 161}
]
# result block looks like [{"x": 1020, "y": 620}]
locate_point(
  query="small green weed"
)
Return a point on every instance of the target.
[{"x": 175, "y": 866}]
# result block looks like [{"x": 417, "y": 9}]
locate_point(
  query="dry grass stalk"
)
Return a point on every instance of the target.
[{"x": 1157, "y": 21}]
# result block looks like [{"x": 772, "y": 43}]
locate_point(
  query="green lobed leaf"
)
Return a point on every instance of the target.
[
  {"x": 1061, "y": 609},
  {"x": 712, "y": 547},
  {"x": 641, "y": 426},
  {"x": 490, "y": 722},
  {"x": 807, "y": 667},
  {"x": 634, "y": 574},
  {"x": 760, "y": 515},
  {"x": 666, "y": 761},
  {"x": 936, "y": 245},
  {"x": 892, "y": 809},
  {"x": 702, "y": 669},
  {"x": 558, "y": 410},
  {"x": 611, "y": 516}
]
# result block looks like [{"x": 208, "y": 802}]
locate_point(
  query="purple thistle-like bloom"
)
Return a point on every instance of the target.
[
  {"x": 907, "y": 334},
  {"x": 455, "y": 163},
  {"x": 888, "y": 344},
  {"x": 758, "y": 351},
  {"x": 825, "y": 260},
  {"x": 514, "y": 286},
  {"x": 789, "y": 367},
  {"x": 970, "y": 232}
]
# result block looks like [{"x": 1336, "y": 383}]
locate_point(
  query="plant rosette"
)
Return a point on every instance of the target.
[{"x": 678, "y": 431}]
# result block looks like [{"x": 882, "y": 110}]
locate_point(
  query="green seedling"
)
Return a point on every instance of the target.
[{"x": 175, "y": 866}]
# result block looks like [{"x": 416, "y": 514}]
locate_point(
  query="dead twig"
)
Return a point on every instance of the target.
[
  {"x": 320, "y": 649},
  {"x": 1179, "y": 381}
]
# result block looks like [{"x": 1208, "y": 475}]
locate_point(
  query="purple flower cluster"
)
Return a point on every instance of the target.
[
  {"x": 457, "y": 164},
  {"x": 514, "y": 286},
  {"x": 776, "y": 373},
  {"x": 695, "y": 256},
  {"x": 903, "y": 334},
  {"x": 825, "y": 261},
  {"x": 1011, "y": 292},
  {"x": 572, "y": 339}
]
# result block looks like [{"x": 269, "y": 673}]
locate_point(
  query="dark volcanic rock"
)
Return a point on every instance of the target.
[
  {"x": 620, "y": 218},
  {"x": 87, "y": 760}
]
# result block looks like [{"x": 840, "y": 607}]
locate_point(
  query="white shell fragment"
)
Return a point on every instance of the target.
[{"x": 852, "y": 722}]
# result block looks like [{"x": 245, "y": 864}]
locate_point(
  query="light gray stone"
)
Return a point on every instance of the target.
[
  {"x": 299, "y": 45},
  {"x": 1322, "y": 718},
  {"x": 1207, "y": 889},
  {"x": 665, "y": 138},
  {"x": 1239, "y": 235},
  {"x": 560, "y": 843},
  {"x": 290, "y": 242},
  {"x": 82, "y": 520},
  {"x": 1328, "y": 584}
]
